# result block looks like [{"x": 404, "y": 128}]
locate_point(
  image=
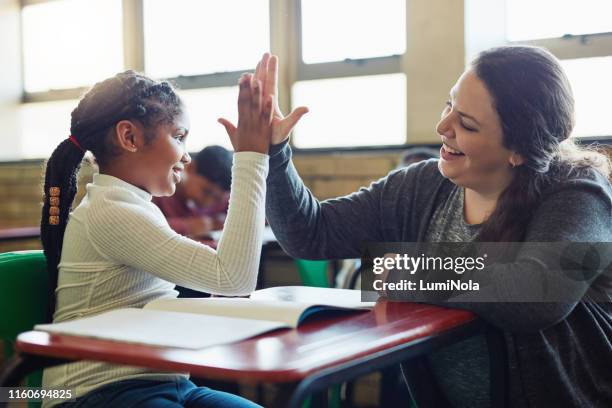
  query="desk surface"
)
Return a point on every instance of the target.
[{"x": 280, "y": 356}]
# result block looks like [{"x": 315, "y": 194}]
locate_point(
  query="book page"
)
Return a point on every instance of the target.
[
  {"x": 332, "y": 297},
  {"x": 162, "y": 328},
  {"x": 286, "y": 304},
  {"x": 287, "y": 313}
]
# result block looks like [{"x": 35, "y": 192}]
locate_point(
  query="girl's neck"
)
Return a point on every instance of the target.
[{"x": 123, "y": 174}]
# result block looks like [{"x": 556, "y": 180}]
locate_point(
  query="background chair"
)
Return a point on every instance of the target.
[
  {"x": 314, "y": 273},
  {"x": 23, "y": 300}
]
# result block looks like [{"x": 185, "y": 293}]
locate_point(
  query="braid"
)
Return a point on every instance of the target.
[
  {"x": 126, "y": 96},
  {"x": 62, "y": 169}
]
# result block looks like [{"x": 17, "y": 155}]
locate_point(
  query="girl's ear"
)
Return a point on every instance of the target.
[{"x": 129, "y": 136}]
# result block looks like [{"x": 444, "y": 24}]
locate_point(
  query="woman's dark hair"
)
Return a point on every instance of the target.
[
  {"x": 535, "y": 104},
  {"x": 128, "y": 95}
]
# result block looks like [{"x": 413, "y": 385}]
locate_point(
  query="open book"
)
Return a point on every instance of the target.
[{"x": 202, "y": 322}]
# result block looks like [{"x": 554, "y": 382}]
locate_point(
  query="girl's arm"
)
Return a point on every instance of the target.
[{"x": 124, "y": 228}]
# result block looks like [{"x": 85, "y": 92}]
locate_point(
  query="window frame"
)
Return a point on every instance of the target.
[
  {"x": 285, "y": 41},
  {"x": 571, "y": 47},
  {"x": 133, "y": 58}
]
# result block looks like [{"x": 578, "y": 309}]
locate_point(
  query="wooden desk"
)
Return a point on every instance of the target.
[{"x": 322, "y": 351}]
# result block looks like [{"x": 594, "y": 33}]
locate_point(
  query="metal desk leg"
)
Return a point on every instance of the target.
[
  {"x": 20, "y": 365},
  {"x": 356, "y": 368}
]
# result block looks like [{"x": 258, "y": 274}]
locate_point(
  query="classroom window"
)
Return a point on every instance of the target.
[
  {"x": 44, "y": 125},
  {"x": 354, "y": 29},
  {"x": 580, "y": 34},
  {"x": 527, "y": 19},
  {"x": 71, "y": 43},
  {"x": 349, "y": 74},
  {"x": 205, "y": 106},
  {"x": 591, "y": 84},
  {"x": 192, "y": 37},
  {"x": 359, "y": 111}
]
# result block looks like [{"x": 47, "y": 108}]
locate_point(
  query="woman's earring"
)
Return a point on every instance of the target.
[{"x": 513, "y": 162}]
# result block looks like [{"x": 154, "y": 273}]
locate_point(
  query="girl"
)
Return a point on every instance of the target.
[
  {"x": 116, "y": 249},
  {"x": 508, "y": 172}
]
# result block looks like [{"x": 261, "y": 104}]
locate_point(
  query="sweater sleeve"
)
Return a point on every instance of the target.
[
  {"x": 179, "y": 224},
  {"x": 309, "y": 229},
  {"x": 124, "y": 230},
  {"x": 512, "y": 297}
]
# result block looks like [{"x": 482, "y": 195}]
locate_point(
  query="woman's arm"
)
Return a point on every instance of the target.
[
  {"x": 304, "y": 227},
  {"x": 307, "y": 228}
]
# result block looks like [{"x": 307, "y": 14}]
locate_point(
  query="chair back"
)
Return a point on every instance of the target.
[
  {"x": 23, "y": 294},
  {"x": 314, "y": 273}
]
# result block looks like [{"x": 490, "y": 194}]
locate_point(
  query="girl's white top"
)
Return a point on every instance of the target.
[{"x": 119, "y": 251}]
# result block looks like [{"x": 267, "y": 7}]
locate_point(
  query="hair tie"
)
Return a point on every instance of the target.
[{"x": 76, "y": 143}]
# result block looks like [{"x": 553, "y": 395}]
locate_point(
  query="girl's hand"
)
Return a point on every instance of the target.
[{"x": 254, "y": 131}]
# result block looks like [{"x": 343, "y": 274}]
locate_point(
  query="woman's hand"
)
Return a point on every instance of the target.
[
  {"x": 254, "y": 131},
  {"x": 266, "y": 73}
]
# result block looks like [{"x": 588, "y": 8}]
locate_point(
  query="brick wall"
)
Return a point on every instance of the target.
[
  {"x": 21, "y": 186},
  {"x": 327, "y": 176}
]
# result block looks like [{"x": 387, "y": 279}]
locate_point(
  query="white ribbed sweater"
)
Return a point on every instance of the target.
[{"x": 119, "y": 251}]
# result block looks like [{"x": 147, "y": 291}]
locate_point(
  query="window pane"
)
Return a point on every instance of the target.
[
  {"x": 359, "y": 111},
  {"x": 189, "y": 37},
  {"x": 44, "y": 125},
  {"x": 340, "y": 29},
  {"x": 527, "y": 19},
  {"x": 591, "y": 84},
  {"x": 205, "y": 106},
  {"x": 71, "y": 43}
]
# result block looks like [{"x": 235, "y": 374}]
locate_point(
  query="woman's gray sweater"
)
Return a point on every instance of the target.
[{"x": 559, "y": 353}]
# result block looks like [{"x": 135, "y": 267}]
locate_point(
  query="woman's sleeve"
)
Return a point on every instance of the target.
[
  {"x": 514, "y": 296},
  {"x": 125, "y": 231},
  {"x": 309, "y": 229}
]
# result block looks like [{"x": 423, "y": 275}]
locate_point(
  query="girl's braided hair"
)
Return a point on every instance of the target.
[{"x": 128, "y": 95}]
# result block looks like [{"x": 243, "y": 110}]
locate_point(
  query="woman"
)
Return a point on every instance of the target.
[{"x": 507, "y": 173}]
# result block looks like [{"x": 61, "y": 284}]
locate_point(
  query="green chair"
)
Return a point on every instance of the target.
[
  {"x": 23, "y": 300},
  {"x": 313, "y": 273}
]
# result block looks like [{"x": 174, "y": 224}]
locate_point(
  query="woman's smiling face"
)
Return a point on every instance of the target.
[{"x": 473, "y": 154}]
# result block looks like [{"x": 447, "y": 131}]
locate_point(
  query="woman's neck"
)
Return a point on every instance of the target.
[{"x": 477, "y": 207}]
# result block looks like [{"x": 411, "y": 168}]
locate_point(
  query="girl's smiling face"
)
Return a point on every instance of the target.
[
  {"x": 473, "y": 154},
  {"x": 158, "y": 165}
]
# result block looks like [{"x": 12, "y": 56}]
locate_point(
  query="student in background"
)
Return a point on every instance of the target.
[
  {"x": 417, "y": 154},
  {"x": 199, "y": 205},
  {"x": 116, "y": 249},
  {"x": 509, "y": 172}
]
